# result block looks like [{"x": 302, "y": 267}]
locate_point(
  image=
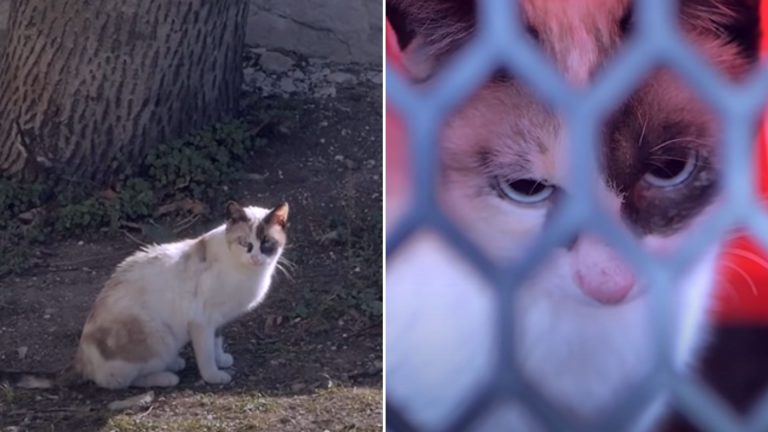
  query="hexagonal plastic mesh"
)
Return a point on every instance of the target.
[{"x": 657, "y": 42}]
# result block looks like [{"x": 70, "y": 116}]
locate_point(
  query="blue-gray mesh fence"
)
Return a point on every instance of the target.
[{"x": 655, "y": 42}]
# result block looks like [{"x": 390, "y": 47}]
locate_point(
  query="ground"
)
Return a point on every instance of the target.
[{"x": 309, "y": 358}]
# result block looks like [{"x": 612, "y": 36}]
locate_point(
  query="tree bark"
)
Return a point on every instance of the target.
[{"x": 88, "y": 86}]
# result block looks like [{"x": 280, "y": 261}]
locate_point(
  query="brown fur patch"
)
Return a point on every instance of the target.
[
  {"x": 235, "y": 213},
  {"x": 278, "y": 216},
  {"x": 123, "y": 339}
]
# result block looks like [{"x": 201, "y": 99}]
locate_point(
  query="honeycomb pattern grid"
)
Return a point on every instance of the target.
[{"x": 656, "y": 42}]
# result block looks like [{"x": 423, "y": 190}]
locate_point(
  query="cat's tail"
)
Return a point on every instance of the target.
[
  {"x": 28, "y": 380},
  {"x": 67, "y": 377}
]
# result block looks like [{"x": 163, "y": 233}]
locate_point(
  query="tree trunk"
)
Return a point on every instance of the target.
[{"x": 87, "y": 87}]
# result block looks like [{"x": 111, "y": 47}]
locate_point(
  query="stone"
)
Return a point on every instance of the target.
[
  {"x": 341, "y": 78},
  {"x": 275, "y": 62},
  {"x": 329, "y": 91},
  {"x": 287, "y": 85},
  {"x": 138, "y": 401},
  {"x": 249, "y": 75}
]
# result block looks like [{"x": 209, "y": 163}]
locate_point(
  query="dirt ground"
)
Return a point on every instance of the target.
[{"x": 309, "y": 358}]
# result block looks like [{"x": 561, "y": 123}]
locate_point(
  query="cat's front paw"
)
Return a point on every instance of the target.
[
  {"x": 177, "y": 364},
  {"x": 224, "y": 360},
  {"x": 217, "y": 377}
]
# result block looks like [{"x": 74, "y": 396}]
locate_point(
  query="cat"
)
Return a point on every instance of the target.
[
  {"x": 165, "y": 296},
  {"x": 582, "y": 318}
]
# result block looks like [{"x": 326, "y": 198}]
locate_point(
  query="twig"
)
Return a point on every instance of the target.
[
  {"x": 145, "y": 412},
  {"x": 42, "y": 411},
  {"x": 80, "y": 262},
  {"x": 131, "y": 225},
  {"x": 362, "y": 330},
  {"x": 130, "y": 236},
  {"x": 258, "y": 128},
  {"x": 366, "y": 374},
  {"x": 186, "y": 223}
]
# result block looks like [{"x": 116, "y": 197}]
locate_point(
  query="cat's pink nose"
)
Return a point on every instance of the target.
[
  {"x": 604, "y": 285},
  {"x": 599, "y": 272}
]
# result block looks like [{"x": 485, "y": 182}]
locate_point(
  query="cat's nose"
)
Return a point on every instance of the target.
[
  {"x": 605, "y": 286},
  {"x": 600, "y": 273}
]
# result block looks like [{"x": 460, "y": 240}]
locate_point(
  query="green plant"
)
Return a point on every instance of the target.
[{"x": 193, "y": 168}]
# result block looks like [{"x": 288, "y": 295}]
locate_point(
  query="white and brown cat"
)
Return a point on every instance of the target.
[
  {"x": 165, "y": 296},
  {"x": 583, "y": 318}
]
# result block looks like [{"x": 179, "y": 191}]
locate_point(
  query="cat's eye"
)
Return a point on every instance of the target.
[
  {"x": 247, "y": 245},
  {"x": 525, "y": 191},
  {"x": 673, "y": 170}
]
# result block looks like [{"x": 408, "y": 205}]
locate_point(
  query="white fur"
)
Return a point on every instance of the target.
[{"x": 441, "y": 335}]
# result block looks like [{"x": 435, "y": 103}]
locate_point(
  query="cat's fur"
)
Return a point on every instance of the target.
[
  {"x": 583, "y": 330},
  {"x": 165, "y": 296}
]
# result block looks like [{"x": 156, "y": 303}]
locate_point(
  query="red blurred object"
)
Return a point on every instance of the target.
[
  {"x": 395, "y": 141},
  {"x": 742, "y": 295},
  {"x": 743, "y": 291}
]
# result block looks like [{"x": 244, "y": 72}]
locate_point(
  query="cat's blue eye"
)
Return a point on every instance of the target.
[
  {"x": 525, "y": 191},
  {"x": 672, "y": 170}
]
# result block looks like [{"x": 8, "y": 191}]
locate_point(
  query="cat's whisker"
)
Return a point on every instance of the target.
[
  {"x": 645, "y": 125},
  {"x": 749, "y": 255},
  {"x": 283, "y": 270},
  {"x": 654, "y": 158},
  {"x": 744, "y": 275},
  {"x": 672, "y": 141},
  {"x": 286, "y": 261}
]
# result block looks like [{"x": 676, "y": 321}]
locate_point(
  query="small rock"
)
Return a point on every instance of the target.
[
  {"x": 297, "y": 387},
  {"x": 138, "y": 401},
  {"x": 249, "y": 75},
  {"x": 256, "y": 176},
  {"x": 330, "y": 236},
  {"x": 323, "y": 92},
  {"x": 377, "y": 79},
  {"x": 287, "y": 85},
  {"x": 275, "y": 62},
  {"x": 341, "y": 78},
  {"x": 351, "y": 164},
  {"x": 22, "y": 352}
]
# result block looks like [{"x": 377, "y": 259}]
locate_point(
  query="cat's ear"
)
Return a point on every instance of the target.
[
  {"x": 736, "y": 21},
  {"x": 278, "y": 216},
  {"x": 430, "y": 30},
  {"x": 235, "y": 213}
]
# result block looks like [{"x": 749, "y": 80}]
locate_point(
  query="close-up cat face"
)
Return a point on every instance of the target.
[
  {"x": 505, "y": 152},
  {"x": 582, "y": 317},
  {"x": 256, "y": 236}
]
